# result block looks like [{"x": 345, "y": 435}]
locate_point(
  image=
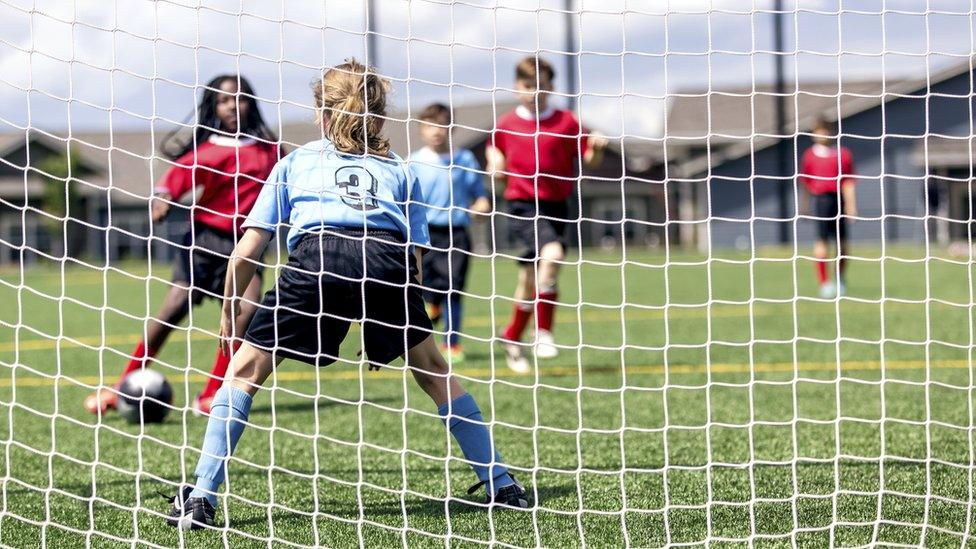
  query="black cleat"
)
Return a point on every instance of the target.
[
  {"x": 190, "y": 513},
  {"x": 512, "y": 495}
]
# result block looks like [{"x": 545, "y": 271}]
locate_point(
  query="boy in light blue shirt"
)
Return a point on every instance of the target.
[{"x": 453, "y": 186}]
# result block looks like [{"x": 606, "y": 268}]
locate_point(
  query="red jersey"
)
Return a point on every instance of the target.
[
  {"x": 823, "y": 172},
  {"x": 230, "y": 173},
  {"x": 541, "y": 155}
]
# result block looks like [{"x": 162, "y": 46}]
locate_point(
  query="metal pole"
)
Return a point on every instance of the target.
[
  {"x": 572, "y": 56},
  {"x": 372, "y": 55},
  {"x": 783, "y": 146}
]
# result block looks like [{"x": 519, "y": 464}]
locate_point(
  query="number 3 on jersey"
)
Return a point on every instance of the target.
[{"x": 358, "y": 186}]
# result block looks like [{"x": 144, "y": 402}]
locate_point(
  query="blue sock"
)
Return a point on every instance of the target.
[
  {"x": 453, "y": 323},
  {"x": 228, "y": 412},
  {"x": 467, "y": 427}
]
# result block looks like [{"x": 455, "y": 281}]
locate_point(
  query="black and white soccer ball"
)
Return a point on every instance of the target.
[{"x": 144, "y": 397}]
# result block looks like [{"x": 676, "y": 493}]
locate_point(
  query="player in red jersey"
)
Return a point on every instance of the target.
[
  {"x": 539, "y": 150},
  {"x": 225, "y": 164},
  {"x": 827, "y": 172}
]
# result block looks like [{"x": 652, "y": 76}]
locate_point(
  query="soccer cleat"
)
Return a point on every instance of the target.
[
  {"x": 190, "y": 513},
  {"x": 100, "y": 401},
  {"x": 201, "y": 405},
  {"x": 434, "y": 312},
  {"x": 841, "y": 289},
  {"x": 828, "y": 290},
  {"x": 515, "y": 358},
  {"x": 545, "y": 346},
  {"x": 512, "y": 495},
  {"x": 454, "y": 352}
]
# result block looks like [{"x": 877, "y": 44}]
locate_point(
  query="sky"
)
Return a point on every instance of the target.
[{"x": 88, "y": 65}]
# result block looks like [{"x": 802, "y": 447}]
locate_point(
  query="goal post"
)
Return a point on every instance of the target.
[{"x": 705, "y": 266}]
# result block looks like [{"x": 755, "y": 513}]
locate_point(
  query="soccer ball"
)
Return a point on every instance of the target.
[{"x": 144, "y": 397}]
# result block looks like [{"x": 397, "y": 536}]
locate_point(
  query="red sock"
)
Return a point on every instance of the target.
[
  {"x": 545, "y": 309},
  {"x": 822, "y": 271},
  {"x": 217, "y": 373},
  {"x": 139, "y": 356},
  {"x": 520, "y": 318}
]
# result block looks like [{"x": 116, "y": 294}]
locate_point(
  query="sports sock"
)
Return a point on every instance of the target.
[
  {"x": 217, "y": 373},
  {"x": 454, "y": 312},
  {"x": 228, "y": 415},
  {"x": 545, "y": 307},
  {"x": 139, "y": 356},
  {"x": 464, "y": 419},
  {"x": 822, "y": 271},
  {"x": 520, "y": 318},
  {"x": 841, "y": 268}
]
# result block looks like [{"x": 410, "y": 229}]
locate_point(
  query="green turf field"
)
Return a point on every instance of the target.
[{"x": 700, "y": 399}]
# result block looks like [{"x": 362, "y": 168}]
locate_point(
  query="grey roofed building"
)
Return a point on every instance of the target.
[
  {"x": 115, "y": 174},
  {"x": 911, "y": 141}
]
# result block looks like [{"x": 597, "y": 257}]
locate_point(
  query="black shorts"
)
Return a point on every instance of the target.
[
  {"x": 333, "y": 279},
  {"x": 535, "y": 227},
  {"x": 446, "y": 263},
  {"x": 201, "y": 263},
  {"x": 826, "y": 210}
]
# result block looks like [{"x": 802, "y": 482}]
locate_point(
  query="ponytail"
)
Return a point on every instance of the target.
[{"x": 351, "y": 101}]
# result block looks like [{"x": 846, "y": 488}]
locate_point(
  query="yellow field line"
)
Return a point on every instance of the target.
[
  {"x": 697, "y": 312},
  {"x": 311, "y": 374}
]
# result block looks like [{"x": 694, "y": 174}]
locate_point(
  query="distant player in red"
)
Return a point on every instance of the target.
[
  {"x": 225, "y": 164},
  {"x": 827, "y": 172},
  {"x": 540, "y": 151}
]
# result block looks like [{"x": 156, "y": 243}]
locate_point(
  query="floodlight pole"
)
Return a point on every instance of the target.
[
  {"x": 783, "y": 145},
  {"x": 372, "y": 55},
  {"x": 572, "y": 56}
]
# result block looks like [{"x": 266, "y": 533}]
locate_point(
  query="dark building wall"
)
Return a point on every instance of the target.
[{"x": 744, "y": 205}]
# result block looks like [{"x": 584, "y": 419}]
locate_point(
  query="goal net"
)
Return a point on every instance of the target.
[{"x": 761, "y": 329}]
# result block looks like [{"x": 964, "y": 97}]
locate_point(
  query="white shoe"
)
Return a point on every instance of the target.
[
  {"x": 545, "y": 346},
  {"x": 841, "y": 289},
  {"x": 828, "y": 290},
  {"x": 516, "y": 358}
]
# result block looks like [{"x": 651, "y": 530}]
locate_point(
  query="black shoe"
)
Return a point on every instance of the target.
[
  {"x": 190, "y": 513},
  {"x": 512, "y": 495}
]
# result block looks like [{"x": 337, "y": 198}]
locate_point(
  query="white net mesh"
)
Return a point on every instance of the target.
[{"x": 708, "y": 386}]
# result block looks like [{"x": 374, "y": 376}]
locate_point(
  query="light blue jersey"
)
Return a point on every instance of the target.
[
  {"x": 316, "y": 187},
  {"x": 450, "y": 183}
]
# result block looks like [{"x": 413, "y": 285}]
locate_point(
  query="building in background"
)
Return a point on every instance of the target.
[
  {"x": 709, "y": 182},
  {"x": 912, "y": 144}
]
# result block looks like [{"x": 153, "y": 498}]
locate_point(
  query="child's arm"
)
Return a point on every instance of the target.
[
  {"x": 847, "y": 183},
  {"x": 593, "y": 157},
  {"x": 481, "y": 206},
  {"x": 850, "y": 198},
  {"x": 240, "y": 271},
  {"x": 176, "y": 182},
  {"x": 495, "y": 159}
]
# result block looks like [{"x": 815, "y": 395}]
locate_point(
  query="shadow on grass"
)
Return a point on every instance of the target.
[
  {"x": 433, "y": 508},
  {"x": 309, "y": 405}
]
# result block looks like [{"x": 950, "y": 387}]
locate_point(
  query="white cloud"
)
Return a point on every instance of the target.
[{"x": 108, "y": 52}]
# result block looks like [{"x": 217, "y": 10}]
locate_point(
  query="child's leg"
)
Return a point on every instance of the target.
[
  {"x": 461, "y": 413},
  {"x": 252, "y": 295},
  {"x": 524, "y": 294},
  {"x": 228, "y": 417},
  {"x": 820, "y": 255},
  {"x": 454, "y": 314},
  {"x": 842, "y": 251},
  {"x": 175, "y": 307},
  {"x": 551, "y": 256}
]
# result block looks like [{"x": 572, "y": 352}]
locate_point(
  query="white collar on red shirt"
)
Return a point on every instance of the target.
[
  {"x": 227, "y": 141},
  {"x": 525, "y": 114},
  {"x": 824, "y": 150}
]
